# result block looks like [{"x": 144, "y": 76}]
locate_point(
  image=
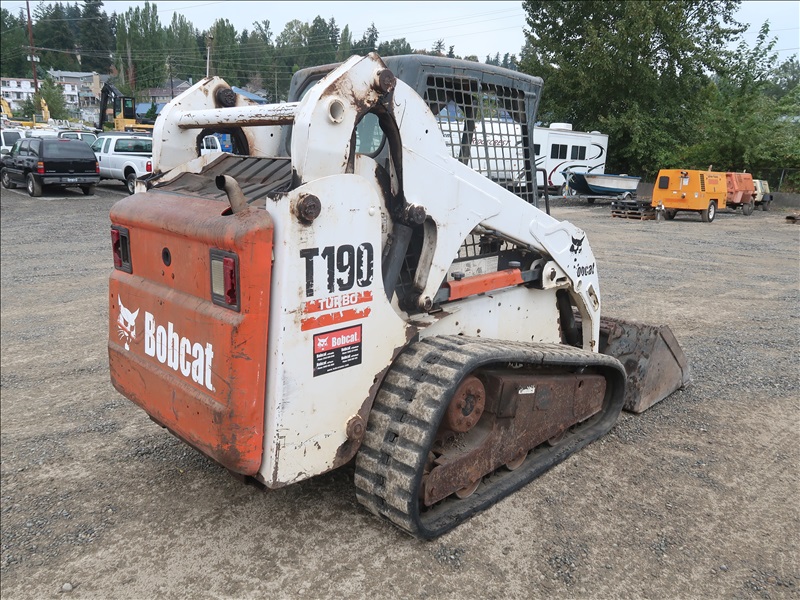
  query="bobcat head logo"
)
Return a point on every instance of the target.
[
  {"x": 126, "y": 323},
  {"x": 322, "y": 343},
  {"x": 577, "y": 245}
]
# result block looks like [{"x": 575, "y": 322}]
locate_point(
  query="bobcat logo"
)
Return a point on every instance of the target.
[
  {"x": 322, "y": 343},
  {"x": 577, "y": 245},
  {"x": 126, "y": 323}
]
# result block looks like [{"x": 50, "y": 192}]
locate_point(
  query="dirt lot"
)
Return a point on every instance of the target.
[{"x": 696, "y": 498}]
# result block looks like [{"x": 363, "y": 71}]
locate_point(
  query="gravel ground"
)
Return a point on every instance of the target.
[{"x": 696, "y": 498}]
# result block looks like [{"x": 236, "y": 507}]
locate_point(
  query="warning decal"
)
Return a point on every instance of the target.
[{"x": 335, "y": 350}]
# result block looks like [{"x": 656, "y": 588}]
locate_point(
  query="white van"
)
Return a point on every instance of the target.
[{"x": 8, "y": 137}]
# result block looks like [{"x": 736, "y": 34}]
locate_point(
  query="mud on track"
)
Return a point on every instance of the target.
[{"x": 696, "y": 498}]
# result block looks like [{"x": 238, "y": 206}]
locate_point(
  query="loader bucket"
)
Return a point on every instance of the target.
[{"x": 654, "y": 362}]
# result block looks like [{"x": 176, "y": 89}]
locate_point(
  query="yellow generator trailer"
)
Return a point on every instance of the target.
[{"x": 698, "y": 191}]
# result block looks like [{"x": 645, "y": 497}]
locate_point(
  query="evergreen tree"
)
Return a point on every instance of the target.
[
  {"x": 395, "y": 47},
  {"x": 95, "y": 38},
  {"x": 345, "y": 49},
  {"x": 14, "y": 46},
  {"x": 52, "y": 30}
]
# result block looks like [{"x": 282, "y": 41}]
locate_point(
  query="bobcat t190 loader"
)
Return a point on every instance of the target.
[{"x": 368, "y": 277}]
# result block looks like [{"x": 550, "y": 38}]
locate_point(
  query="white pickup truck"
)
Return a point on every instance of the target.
[{"x": 124, "y": 157}]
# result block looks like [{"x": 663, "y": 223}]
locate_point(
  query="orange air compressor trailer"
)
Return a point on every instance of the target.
[{"x": 698, "y": 191}]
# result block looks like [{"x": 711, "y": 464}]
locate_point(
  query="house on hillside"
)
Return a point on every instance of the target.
[{"x": 166, "y": 92}]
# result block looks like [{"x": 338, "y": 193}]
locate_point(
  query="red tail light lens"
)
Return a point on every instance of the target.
[
  {"x": 229, "y": 270},
  {"x": 149, "y": 166},
  {"x": 40, "y": 168},
  {"x": 121, "y": 247},
  {"x": 96, "y": 167},
  {"x": 225, "y": 279}
]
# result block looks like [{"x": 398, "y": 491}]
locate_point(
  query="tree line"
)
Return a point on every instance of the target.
[
  {"x": 143, "y": 53},
  {"x": 659, "y": 77}
]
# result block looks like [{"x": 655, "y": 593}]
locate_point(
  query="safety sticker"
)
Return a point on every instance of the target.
[{"x": 336, "y": 350}]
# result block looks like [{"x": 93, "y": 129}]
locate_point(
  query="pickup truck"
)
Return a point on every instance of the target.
[
  {"x": 37, "y": 163},
  {"x": 124, "y": 157}
]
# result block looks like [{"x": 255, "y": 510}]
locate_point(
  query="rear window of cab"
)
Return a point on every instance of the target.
[{"x": 66, "y": 148}]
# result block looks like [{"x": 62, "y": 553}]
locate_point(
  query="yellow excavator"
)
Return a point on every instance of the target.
[
  {"x": 8, "y": 115},
  {"x": 124, "y": 109}
]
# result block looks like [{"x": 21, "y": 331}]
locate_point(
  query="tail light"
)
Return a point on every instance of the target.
[
  {"x": 40, "y": 168},
  {"x": 225, "y": 279},
  {"x": 121, "y": 247},
  {"x": 149, "y": 166},
  {"x": 96, "y": 167}
]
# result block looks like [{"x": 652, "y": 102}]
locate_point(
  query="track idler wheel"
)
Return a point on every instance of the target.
[{"x": 466, "y": 407}]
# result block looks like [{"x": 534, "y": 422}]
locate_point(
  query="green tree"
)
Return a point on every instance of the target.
[
  {"x": 140, "y": 56},
  {"x": 438, "y": 48},
  {"x": 395, "y": 47},
  {"x": 368, "y": 42},
  {"x": 634, "y": 70},
  {"x": 784, "y": 78},
  {"x": 95, "y": 38},
  {"x": 225, "y": 51},
  {"x": 52, "y": 31},
  {"x": 345, "y": 49},
  {"x": 185, "y": 61},
  {"x": 743, "y": 128},
  {"x": 53, "y": 95},
  {"x": 321, "y": 47},
  {"x": 14, "y": 46}
]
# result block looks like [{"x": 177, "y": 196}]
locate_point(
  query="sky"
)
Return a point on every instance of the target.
[{"x": 477, "y": 28}]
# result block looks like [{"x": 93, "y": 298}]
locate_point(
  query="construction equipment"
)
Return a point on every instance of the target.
[
  {"x": 124, "y": 110},
  {"x": 704, "y": 192},
  {"x": 345, "y": 286}
]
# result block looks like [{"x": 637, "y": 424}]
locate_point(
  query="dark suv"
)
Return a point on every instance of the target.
[{"x": 45, "y": 162}]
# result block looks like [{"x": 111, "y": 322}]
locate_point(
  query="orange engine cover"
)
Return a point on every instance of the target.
[{"x": 196, "y": 367}]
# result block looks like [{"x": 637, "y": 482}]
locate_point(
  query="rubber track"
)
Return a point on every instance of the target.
[{"x": 409, "y": 407}]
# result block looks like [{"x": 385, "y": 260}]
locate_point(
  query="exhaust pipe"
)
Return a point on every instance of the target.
[{"x": 235, "y": 195}]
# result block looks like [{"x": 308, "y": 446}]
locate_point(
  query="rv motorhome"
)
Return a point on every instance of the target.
[{"x": 559, "y": 148}]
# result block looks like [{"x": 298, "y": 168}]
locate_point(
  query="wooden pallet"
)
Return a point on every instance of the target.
[
  {"x": 632, "y": 209},
  {"x": 639, "y": 215}
]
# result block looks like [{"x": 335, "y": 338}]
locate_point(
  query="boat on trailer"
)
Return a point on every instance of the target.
[{"x": 601, "y": 184}]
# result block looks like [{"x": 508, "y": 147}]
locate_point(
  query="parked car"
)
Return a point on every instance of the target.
[
  {"x": 37, "y": 163},
  {"x": 8, "y": 137},
  {"x": 86, "y": 136},
  {"x": 124, "y": 157}
]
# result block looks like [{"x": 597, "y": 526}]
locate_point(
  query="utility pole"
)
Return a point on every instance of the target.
[
  {"x": 32, "y": 57},
  {"x": 209, "y": 39},
  {"x": 169, "y": 70}
]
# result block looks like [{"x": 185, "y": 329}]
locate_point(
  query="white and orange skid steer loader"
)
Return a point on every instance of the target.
[{"x": 367, "y": 277}]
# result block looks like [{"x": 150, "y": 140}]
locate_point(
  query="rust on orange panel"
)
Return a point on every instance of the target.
[
  {"x": 478, "y": 284},
  {"x": 196, "y": 366}
]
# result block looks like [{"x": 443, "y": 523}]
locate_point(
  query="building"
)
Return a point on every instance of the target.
[
  {"x": 16, "y": 90},
  {"x": 81, "y": 92},
  {"x": 83, "y": 99},
  {"x": 165, "y": 93}
]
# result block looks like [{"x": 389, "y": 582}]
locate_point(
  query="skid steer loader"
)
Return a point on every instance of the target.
[{"x": 368, "y": 277}]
